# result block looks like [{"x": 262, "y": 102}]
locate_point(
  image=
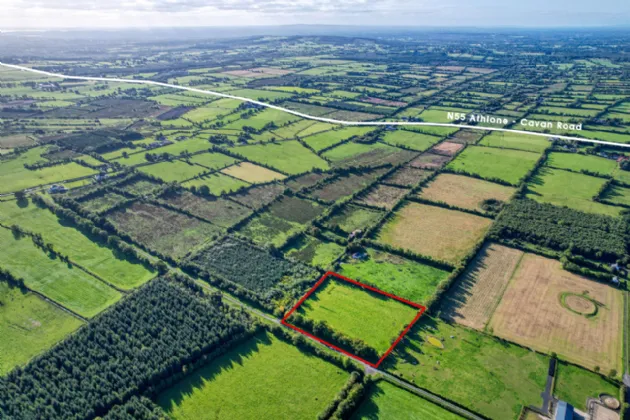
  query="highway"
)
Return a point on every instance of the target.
[{"x": 306, "y": 116}]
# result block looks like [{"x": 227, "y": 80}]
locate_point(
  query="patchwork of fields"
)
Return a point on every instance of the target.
[{"x": 158, "y": 246}]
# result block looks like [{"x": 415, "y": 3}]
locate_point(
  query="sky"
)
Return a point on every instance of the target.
[{"x": 92, "y": 14}]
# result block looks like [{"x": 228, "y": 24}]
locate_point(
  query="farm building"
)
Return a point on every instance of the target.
[{"x": 564, "y": 411}]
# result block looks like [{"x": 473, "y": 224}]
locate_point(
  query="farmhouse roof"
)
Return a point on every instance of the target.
[{"x": 564, "y": 411}]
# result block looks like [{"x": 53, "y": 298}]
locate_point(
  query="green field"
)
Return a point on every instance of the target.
[
  {"x": 387, "y": 401},
  {"x": 405, "y": 278},
  {"x": 491, "y": 163},
  {"x": 217, "y": 183},
  {"x": 289, "y": 157},
  {"x": 28, "y": 326},
  {"x": 330, "y": 138},
  {"x": 175, "y": 170},
  {"x": 212, "y": 111},
  {"x": 264, "y": 378},
  {"x": 15, "y": 177},
  {"x": 260, "y": 120},
  {"x": 268, "y": 229},
  {"x": 574, "y": 385},
  {"x": 213, "y": 160},
  {"x": 352, "y": 218},
  {"x": 68, "y": 286},
  {"x": 357, "y": 313},
  {"x": 315, "y": 251},
  {"x": 618, "y": 195},
  {"x": 479, "y": 372},
  {"x": 516, "y": 141},
  {"x": 574, "y": 190},
  {"x": 410, "y": 140},
  {"x": 97, "y": 258},
  {"x": 265, "y": 95},
  {"x": 357, "y": 154},
  {"x": 577, "y": 162}
]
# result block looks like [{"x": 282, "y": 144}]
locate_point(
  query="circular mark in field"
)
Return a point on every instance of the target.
[
  {"x": 610, "y": 401},
  {"x": 579, "y": 304},
  {"x": 435, "y": 342}
]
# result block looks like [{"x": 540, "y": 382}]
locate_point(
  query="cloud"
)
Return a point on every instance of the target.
[{"x": 256, "y": 6}]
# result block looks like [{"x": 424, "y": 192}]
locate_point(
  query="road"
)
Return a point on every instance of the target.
[
  {"x": 368, "y": 369},
  {"x": 306, "y": 116}
]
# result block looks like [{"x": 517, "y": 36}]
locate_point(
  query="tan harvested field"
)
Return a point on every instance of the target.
[
  {"x": 435, "y": 231},
  {"x": 16, "y": 140},
  {"x": 447, "y": 148},
  {"x": 478, "y": 291},
  {"x": 532, "y": 315},
  {"x": 251, "y": 173},
  {"x": 465, "y": 192}
]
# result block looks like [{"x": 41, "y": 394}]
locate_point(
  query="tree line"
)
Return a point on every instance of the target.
[
  {"x": 143, "y": 344},
  {"x": 594, "y": 236}
]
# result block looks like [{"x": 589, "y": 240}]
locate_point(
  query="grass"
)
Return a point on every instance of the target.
[
  {"x": 252, "y": 173},
  {"x": 66, "y": 285},
  {"x": 358, "y": 313},
  {"x": 264, "y": 378},
  {"x": 266, "y": 95},
  {"x": 402, "y": 277},
  {"x": 490, "y": 377},
  {"x": 524, "y": 142},
  {"x": 574, "y": 385},
  {"x": 289, "y": 157},
  {"x": 261, "y": 119},
  {"x": 444, "y": 234},
  {"x": 491, "y": 163},
  {"x": 211, "y": 111},
  {"x": 103, "y": 202},
  {"x": 356, "y": 154},
  {"x": 69, "y": 241},
  {"x": 355, "y": 217},
  {"x": 28, "y": 326},
  {"x": 175, "y": 170},
  {"x": 217, "y": 183},
  {"x": 564, "y": 188},
  {"x": 330, "y": 138},
  {"x": 410, "y": 140},
  {"x": 577, "y": 162},
  {"x": 618, "y": 195},
  {"x": 212, "y": 160},
  {"x": 268, "y": 229},
  {"x": 387, "y": 401},
  {"x": 315, "y": 251},
  {"x": 15, "y": 177}
]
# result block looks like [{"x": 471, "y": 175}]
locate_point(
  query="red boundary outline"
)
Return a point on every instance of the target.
[{"x": 420, "y": 308}]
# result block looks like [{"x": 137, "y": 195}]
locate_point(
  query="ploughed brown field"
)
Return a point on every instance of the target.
[
  {"x": 447, "y": 148},
  {"x": 429, "y": 161}
]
